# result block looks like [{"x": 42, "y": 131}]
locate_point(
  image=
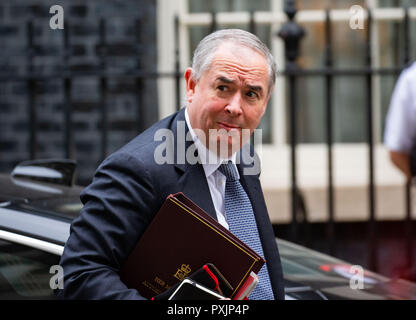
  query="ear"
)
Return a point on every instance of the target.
[{"x": 190, "y": 84}]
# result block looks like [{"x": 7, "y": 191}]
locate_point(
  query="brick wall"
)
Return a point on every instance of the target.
[{"x": 131, "y": 44}]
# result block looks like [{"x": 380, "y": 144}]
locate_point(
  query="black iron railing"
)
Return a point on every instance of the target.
[
  {"x": 291, "y": 33},
  {"x": 65, "y": 74}
]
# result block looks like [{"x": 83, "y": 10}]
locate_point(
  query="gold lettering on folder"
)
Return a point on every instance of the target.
[{"x": 182, "y": 272}]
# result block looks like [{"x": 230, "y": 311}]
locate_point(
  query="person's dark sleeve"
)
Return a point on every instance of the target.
[{"x": 118, "y": 206}]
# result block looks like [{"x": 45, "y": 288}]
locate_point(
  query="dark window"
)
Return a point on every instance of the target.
[{"x": 24, "y": 272}]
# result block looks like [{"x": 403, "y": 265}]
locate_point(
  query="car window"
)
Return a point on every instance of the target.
[
  {"x": 291, "y": 267},
  {"x": 24, "y": 272},
  {"x": 66, "y": 207}
]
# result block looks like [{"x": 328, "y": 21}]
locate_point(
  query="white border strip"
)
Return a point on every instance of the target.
[{"x": 32, "y": 242}]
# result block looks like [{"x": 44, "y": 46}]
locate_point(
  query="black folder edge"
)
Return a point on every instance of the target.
[
  {"x": 209, "y": 269},
  {"x": 181, "y": 289}
]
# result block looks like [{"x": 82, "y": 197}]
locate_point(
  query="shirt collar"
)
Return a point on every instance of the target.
[{"x": 204, "y": 153}]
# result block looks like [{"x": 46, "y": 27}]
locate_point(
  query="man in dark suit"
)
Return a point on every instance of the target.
[{"x": 228, "y": 87}]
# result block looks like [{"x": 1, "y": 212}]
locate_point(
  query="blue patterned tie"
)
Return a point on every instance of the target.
[{"x": 240, "y": 218}]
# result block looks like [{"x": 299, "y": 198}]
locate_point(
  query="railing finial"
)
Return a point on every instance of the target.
[{"x": 291, "y": 33}]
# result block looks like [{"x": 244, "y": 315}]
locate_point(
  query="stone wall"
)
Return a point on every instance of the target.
[{"x": 130, "y": 44}]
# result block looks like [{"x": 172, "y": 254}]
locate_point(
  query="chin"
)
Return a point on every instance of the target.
[{"x": 226, "y": 148}]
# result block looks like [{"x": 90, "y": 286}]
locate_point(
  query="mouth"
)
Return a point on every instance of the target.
[{"x": 227, "y": 126}]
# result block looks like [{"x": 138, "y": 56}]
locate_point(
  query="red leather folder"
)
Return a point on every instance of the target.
[{"x": 181, "y": 239}]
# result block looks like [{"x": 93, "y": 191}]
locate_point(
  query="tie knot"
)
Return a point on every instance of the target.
[{"x": 229, "y": 170}]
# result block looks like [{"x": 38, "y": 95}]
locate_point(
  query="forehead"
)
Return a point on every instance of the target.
[{"x": 238, "y": 61}]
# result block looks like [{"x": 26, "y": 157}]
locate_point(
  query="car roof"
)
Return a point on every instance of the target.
[
  {"x": 24, "y": 189},
  {"x": 38, "y": 209},
  {"x": 46, "y": 198}
]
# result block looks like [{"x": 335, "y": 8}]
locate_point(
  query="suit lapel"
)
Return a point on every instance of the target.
[
  {"x": 195, "y": 187},
  {"x": 193, "y": 181}
]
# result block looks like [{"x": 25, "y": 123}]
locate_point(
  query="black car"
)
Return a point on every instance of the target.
[{"x": 38, "y": 201}]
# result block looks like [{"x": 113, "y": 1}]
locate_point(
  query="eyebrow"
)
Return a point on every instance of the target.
[
  {"x": 256, "y": 88},
  {"x": 226, "y": 80}
]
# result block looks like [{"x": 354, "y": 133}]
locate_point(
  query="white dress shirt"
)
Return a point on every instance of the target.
[
  {"x": 216, "y": 180},
  {"x": 400, "y": 132}
]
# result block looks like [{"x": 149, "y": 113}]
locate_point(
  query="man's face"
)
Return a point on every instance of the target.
[{"x": 231, "y": 95}]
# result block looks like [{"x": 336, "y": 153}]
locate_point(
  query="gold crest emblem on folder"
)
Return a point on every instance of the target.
[{"x": 182, "y": 272}]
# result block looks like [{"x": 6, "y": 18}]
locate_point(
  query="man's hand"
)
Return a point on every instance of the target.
[{"x": 402, "y": 161}]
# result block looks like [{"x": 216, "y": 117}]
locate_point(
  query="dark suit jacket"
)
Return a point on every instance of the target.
[{"x": 127, "y": 191}]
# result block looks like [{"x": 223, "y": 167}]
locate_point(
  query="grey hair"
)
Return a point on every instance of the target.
[{"x": 205, "y": 50}]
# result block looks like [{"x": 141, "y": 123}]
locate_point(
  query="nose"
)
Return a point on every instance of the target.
[{"x": 234, "y": 105}]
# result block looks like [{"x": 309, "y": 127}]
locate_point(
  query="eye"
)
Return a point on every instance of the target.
[
  {"x": 252, "y": 95},
  {"x": 222, "y": 88}
]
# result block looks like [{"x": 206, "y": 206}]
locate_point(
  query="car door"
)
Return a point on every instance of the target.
[{"x": 25, "y": 272}]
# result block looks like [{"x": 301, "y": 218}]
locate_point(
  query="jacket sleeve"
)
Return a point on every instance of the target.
[{"x": 118, "y": 206}]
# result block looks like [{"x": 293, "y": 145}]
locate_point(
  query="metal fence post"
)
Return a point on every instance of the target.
[
  {"x": 177, "y": 65},
  {"x": 68, "y": 134},
  {"x": 103, "y": 89},
  {"x": 31, "y": 86},
  {"x": 252, "y": 23},
  {"x": 214, "y": 24},
  {"x": 372, "y": 234},
  {"x": 141, "y": 118},
  {"x": 292, "y": 33},
  {"x": 408, "y": 191},
  {"x": 329, "y": 135}
]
